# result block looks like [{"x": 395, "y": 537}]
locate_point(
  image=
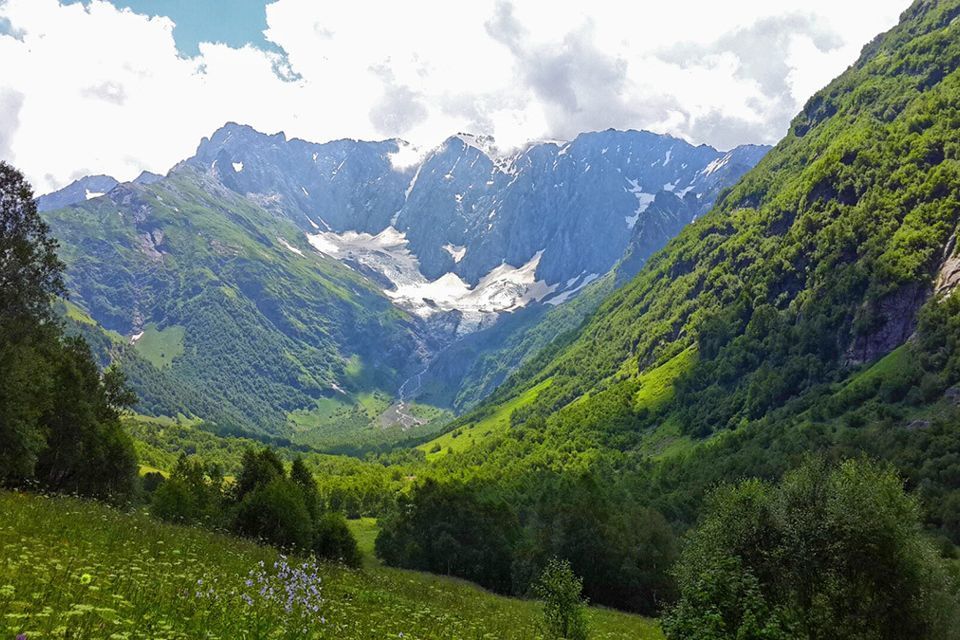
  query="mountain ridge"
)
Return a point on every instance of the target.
[
  {"x": 818, "y": 262},
  {"x": 345, "y": 202}
]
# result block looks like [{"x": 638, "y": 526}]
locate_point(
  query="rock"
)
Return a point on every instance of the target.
[
  {"x": 917, "y": 425},
  {"x": 897, "y": 314},
  {"x": 952, "y": 395}
]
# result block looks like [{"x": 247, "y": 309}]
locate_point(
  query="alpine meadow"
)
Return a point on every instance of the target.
[{"x": 638, "y": 356}]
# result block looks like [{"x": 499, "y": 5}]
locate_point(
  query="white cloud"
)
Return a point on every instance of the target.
[{"x": 93, "y": 89}]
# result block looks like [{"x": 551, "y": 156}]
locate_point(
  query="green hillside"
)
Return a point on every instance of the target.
[
  {"x": 227, "y": 301},
  {"x": 810, "y": 314},
  {"x": 78, "y": 569},
  {"x": 816, "y": 264}
]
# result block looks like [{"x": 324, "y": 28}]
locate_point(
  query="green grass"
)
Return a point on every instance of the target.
[
  {"x": 354, "y": 421},
  {"x": 656, "y": 385},
  {"x": 160, "y": 346},
  {"x": 72, "y": 568},
  {"x": 666, "y": 440},
  {"x": 473, "y": 433},
  {"x": 365, "y": 530}
]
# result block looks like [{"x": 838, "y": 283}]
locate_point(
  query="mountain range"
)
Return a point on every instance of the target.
[
  {"x": 331, "y": 278},
  {"x": 812, "y": 310}
]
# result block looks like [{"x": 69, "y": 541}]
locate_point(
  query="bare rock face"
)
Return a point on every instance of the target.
[
  {"x": 949, "y": 275},
  {"x": 465, "y": 208},
  {"x": 952, "y": 395},
  {"x": 896, "y": 320}
]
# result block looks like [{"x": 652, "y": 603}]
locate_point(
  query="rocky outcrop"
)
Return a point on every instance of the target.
[
  {"x": 949, "y": 274},
  {"x": 76, "y": 192},
  {"x": 465, "y": 209},
  {"x": 895, "y": 319}
]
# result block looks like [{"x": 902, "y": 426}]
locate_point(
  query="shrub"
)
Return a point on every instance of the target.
[
  {"x": 275, "y": 513},
  {"x": 333, "y": 540},
  {"x": 829, "y": 553},
  {"x": 560, "y": 589}
]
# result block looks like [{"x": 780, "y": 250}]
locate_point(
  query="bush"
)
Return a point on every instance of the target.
[
  {"x": 829, "y": 553},
  {"x": 449, "y": 529},
  {"x": 333, "y": 540},
  {"x": 276, "y": 513},
  {"x": 192, "y": 494},
  {"x": 174, "y": 502},
  {"x": 560, "y": 589}
]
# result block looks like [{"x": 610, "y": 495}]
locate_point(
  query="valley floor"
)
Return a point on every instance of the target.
[{"x": 72, "y": 568}]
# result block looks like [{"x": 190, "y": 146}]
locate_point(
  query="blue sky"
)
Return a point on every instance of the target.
[
  {"x": 232, "y": 22},
  {"x": 121, "y": 86}
]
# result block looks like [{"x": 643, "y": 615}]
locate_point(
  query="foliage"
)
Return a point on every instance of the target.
[
  {"x": 59, "y": 416},
  {"x": 192, "y": 494},
  {"x": 30, "y": 269},
  {"x": 448, "y": 529},
  {"x": 263, "y": 502},
  {"x": 276, "y": 513},
  {"x": 128, "y": 574},
  {"x": 622, "y": 550},
  {"x": 258, "y": 469},
  {"x": 559, "y": 590},
  {"x": 826, "y": 553},
  {"x": 332, "y": 538}
]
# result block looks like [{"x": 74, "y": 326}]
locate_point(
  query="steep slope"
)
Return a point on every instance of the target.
[
  {"x": 302, "y": 241},
  {"x": 230, "y": 299},
  {"x": 76, "y": 192},
  {"x": 466, "y": 233},
  {"x": 815, "y": 265}
]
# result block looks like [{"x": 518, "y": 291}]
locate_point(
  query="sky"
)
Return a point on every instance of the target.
[{"x": 122, "y": 86}]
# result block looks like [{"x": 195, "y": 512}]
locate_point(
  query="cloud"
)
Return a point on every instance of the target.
[
  {"x": 91, "y": 86},
  {"x": 400, "y": 108},
  {"x": 109, "y": 91},
  {"x": 10, "y": 104}
]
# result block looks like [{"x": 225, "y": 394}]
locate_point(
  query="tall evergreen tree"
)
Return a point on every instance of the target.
[
  {"x": 59, "y": 418},
  {"x": 30, "y": 275}
]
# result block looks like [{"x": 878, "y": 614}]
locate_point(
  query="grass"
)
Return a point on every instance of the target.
[
  {"x": 70, "y": 568},
  {"x": 144, "y": 469},
  {"x": 365, "y": 530},
  {"x": 657, "y": 385},
  {"x": 473, "y": 433},
  {"x": 160, "y": 346},
  {"x": 863, "y": 382},
  {"x": 354, "y": 421}
]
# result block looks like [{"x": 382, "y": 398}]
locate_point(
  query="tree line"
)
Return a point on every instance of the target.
[{"x": 59, "y": 416}]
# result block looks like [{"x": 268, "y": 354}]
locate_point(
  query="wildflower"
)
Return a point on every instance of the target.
[{"x": 86, "y": 578}]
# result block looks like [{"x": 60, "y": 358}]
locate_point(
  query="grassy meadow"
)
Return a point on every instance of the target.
[{"x": 72, "y": 568}]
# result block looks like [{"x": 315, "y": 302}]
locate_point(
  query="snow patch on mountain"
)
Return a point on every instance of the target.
[
  {"x": 644, "y": 200},
  {"x": 289, "y": 247},
  {"x": 455, "y": 252},
  {"x": 90, "y": 195},
  {"x": 716, "y": 165},
  {"x": 406, "y": 157},
  {"x": 237, "y": 166},
  {"x": 504, "y": 288},
  {"x": 569, "y": 293}
]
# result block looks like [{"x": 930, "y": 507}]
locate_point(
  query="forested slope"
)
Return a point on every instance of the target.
[
  {"x": 228, "y": 302},
  {"x": 758, "y": 335},
  {"x": 817, "y": 261}
]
